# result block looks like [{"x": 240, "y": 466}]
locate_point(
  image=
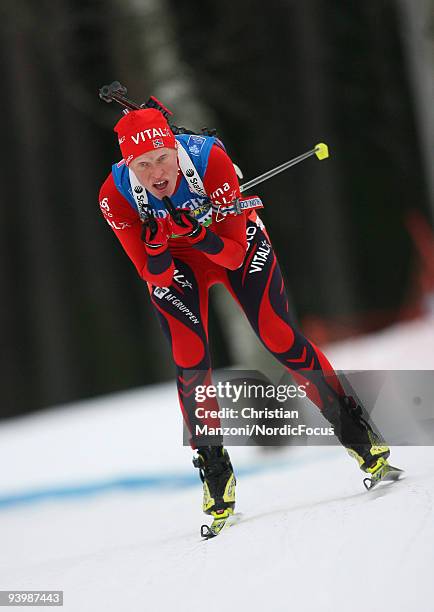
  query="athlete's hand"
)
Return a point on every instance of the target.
[
  {"x": 182, "y": 222},
  {"x": 186, "y": 225},
  {"x": 155, "y": 234}
]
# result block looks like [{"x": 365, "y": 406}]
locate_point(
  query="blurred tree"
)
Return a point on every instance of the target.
[
  {"x": 417, "y": 27},
  {"x": 274, "y": 79},
  {"x": 74, "y": 313},
  {"x": 284, "y": 76}
]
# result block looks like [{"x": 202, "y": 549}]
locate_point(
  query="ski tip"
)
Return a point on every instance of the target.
[{"x": 321, "y": 150}]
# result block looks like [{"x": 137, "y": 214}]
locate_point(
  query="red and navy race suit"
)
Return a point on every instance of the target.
[{"x": 236, "y": 252}]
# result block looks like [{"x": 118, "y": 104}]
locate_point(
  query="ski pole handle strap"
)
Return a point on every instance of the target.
[{"x": 237, "y": 207}]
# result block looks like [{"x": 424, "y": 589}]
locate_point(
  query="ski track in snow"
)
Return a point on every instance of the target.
[{"x": 311, "y": 537}]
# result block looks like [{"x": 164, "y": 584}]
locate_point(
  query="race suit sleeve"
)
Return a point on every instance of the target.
[
  {"x": 126, "y": 224},
  {"x": 225, "y": 243}
]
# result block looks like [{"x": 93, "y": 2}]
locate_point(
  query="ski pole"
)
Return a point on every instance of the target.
[
  {"x": 115, "y": 92},
  {"x": 321, "y": 150}
]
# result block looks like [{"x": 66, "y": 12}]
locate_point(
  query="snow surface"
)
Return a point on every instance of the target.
[{"x": 127, "y": 536}]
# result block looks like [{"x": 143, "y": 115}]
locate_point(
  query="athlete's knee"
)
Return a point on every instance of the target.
[
  {"x": 277, "y": 335},
  {"x": 191, "y": 354}
]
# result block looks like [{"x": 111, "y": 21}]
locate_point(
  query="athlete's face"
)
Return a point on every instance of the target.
[{"x": 157, "y": 171}]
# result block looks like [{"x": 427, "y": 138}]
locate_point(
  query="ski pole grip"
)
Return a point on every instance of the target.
[
  {"x": 175, "y": 214},
  {"x": 153, "y": 228}
]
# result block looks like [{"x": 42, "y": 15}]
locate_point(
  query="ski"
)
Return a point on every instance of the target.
[
  {"x": 211, "y": 531},
  {"x": 386, "y": 473}
]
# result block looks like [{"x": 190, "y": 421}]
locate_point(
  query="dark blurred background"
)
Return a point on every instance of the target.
[{"x": 353, "y": 233}]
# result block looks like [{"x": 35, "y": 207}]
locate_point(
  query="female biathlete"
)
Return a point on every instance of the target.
[{"x": 206, "y": 234}]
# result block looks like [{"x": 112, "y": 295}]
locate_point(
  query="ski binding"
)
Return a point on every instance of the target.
[
  {"x": 218, "y": 524},
  {"x": 385, "y": 473}
]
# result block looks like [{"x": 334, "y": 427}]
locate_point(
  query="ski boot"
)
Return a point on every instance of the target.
[
  {"x": 217, "y": 475},
  {"x": 361, "y": 442},
  {"x": 376, "y": 465}
]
